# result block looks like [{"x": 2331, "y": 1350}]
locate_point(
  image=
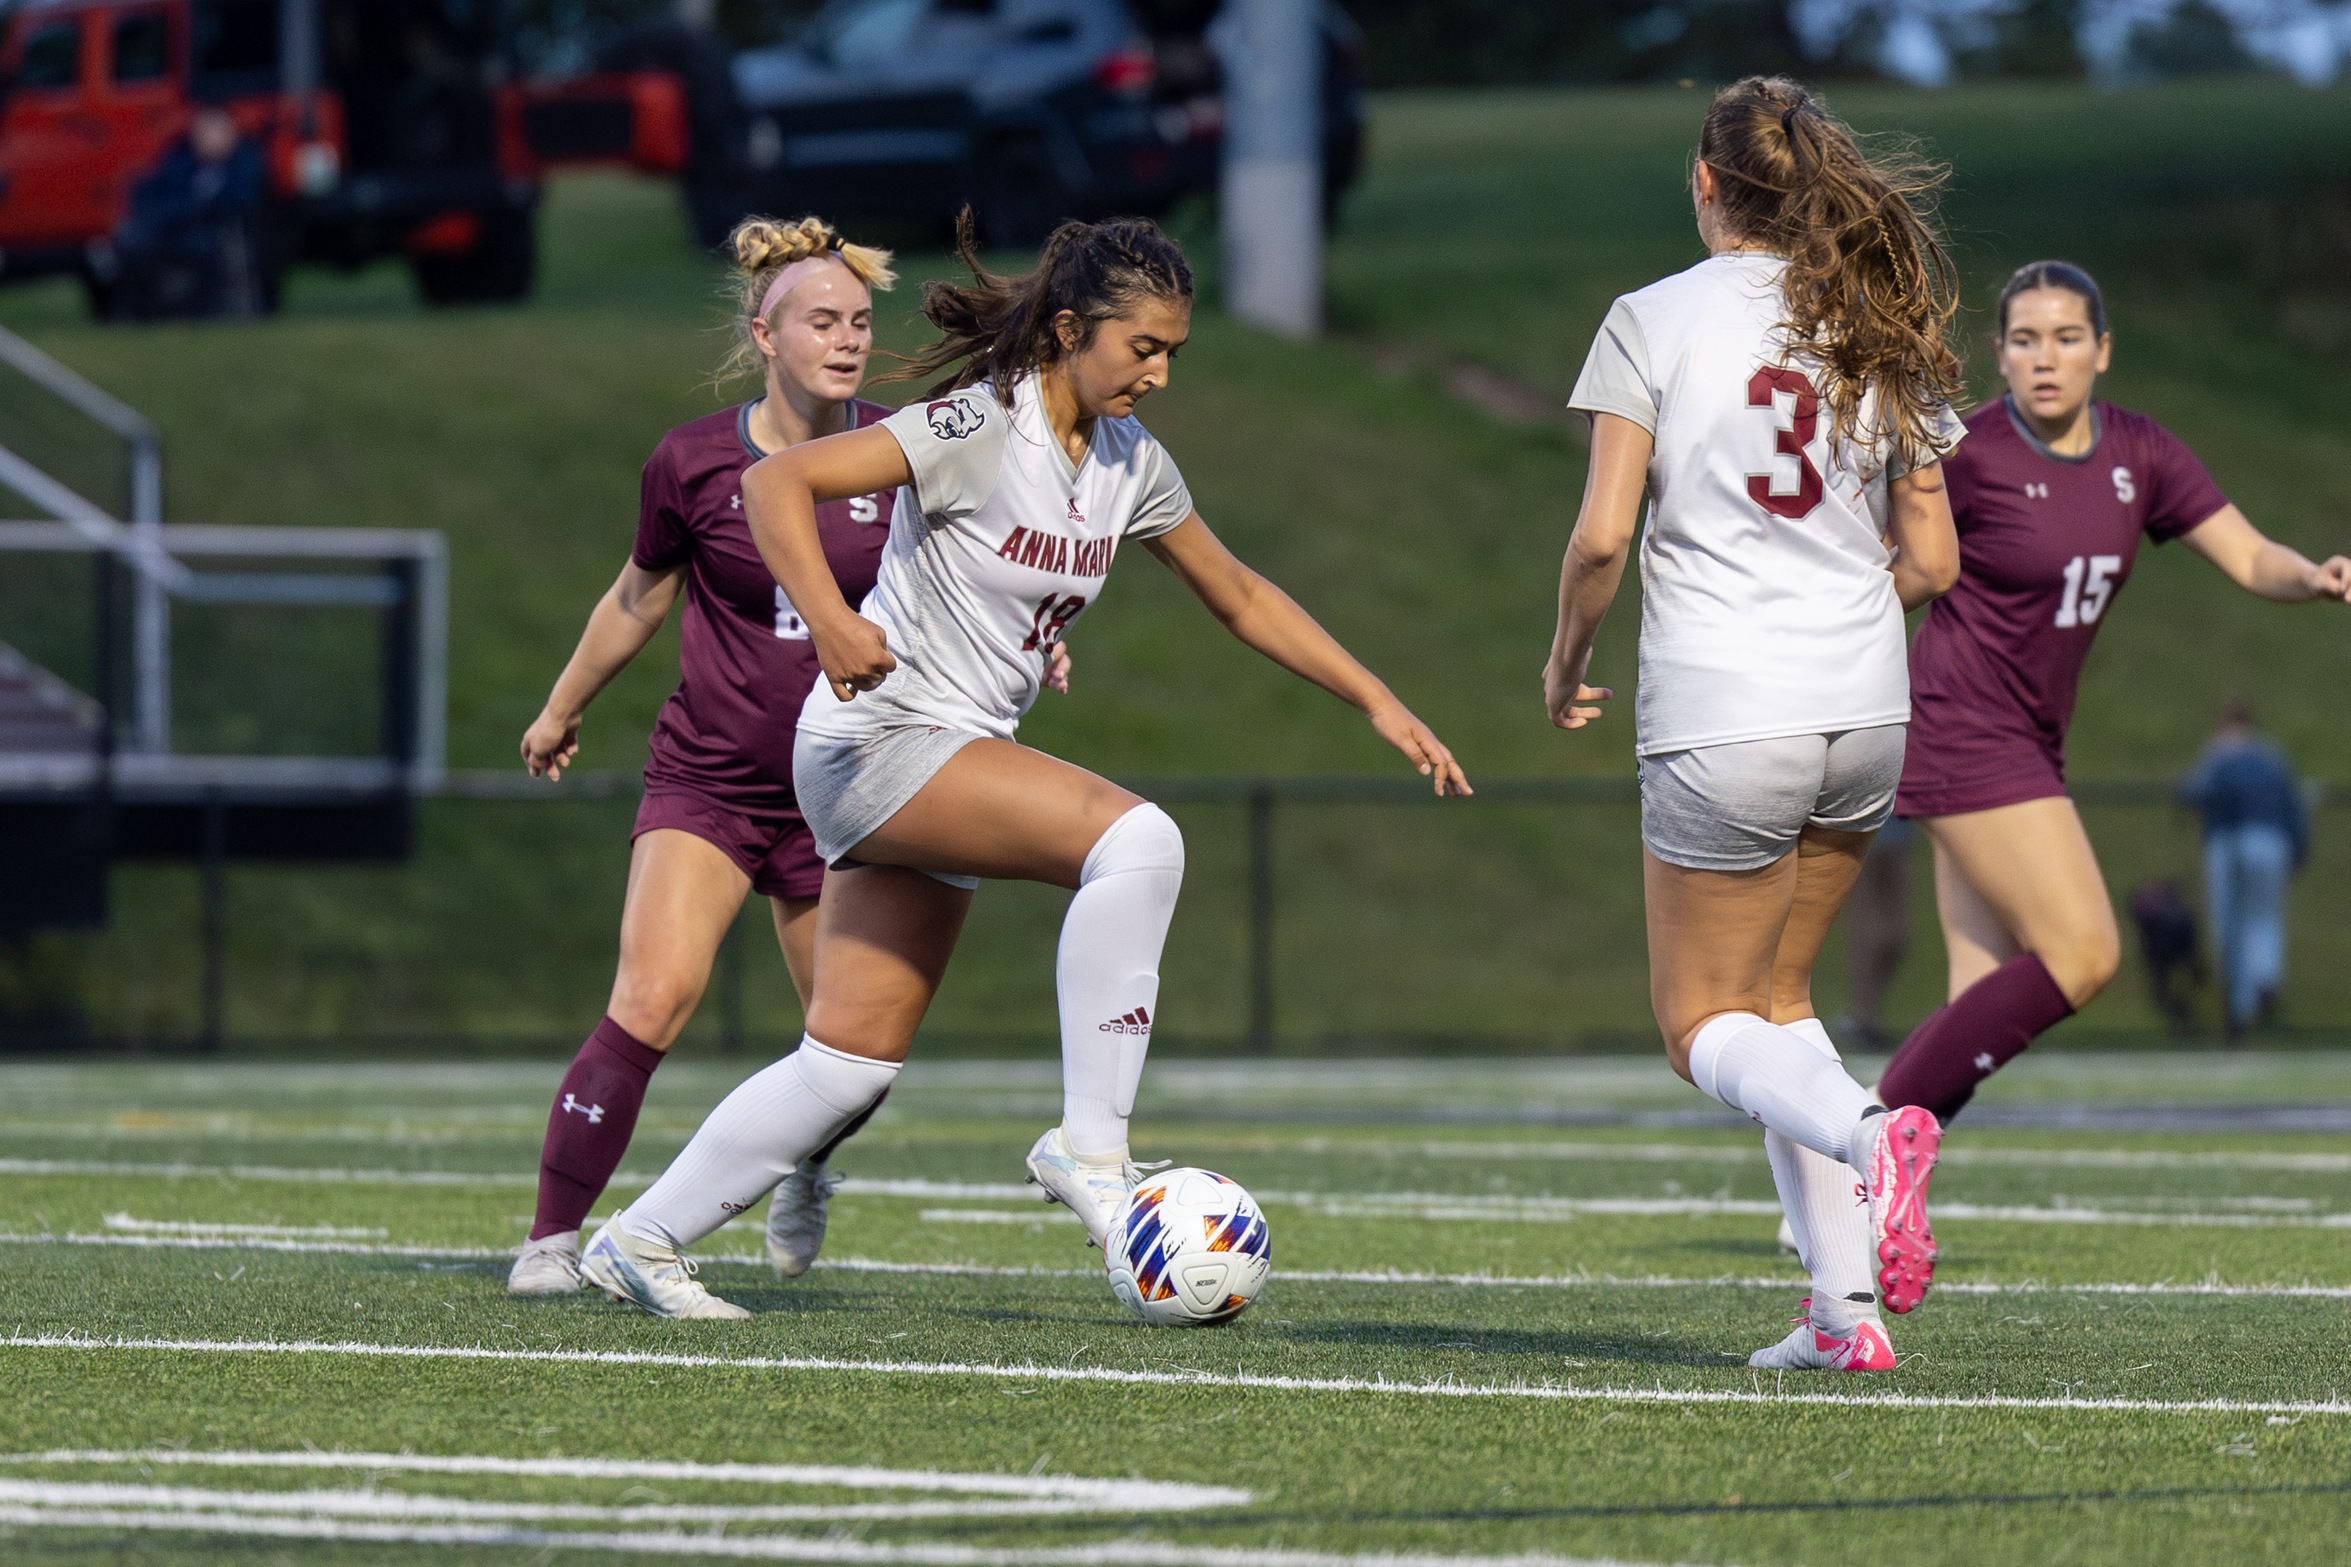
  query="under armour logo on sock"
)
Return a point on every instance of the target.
[
  {"x": 594, "y": 1113},
  {"x": 1984, "y": 1061},
  {"x": 1135, "y": 1022}
]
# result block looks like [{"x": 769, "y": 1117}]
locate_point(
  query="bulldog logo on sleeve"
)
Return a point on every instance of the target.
[{"x": 954, "y": 418}]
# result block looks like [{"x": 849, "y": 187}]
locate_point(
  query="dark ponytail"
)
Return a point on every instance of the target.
[
  {"x": 1000, "y": 328},
  {"x": 2055, "y": 274}
]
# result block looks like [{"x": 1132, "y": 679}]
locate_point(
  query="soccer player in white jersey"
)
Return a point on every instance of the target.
[
  {"x": 1785, "y": 404},
  {"x": 1029, "y": 472}
]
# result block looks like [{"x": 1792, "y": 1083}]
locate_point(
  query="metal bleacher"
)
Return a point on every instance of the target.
[{"x": 91, "y": 776}]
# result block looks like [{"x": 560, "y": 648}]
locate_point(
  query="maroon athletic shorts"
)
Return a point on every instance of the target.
[
  {"x": 1936, "y": 782},
  {"x": 774, "y": 848}
]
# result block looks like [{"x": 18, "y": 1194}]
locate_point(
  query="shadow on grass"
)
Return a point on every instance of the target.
[
  {"x": 1826, "y": 1506},
  {"x": 1487, "y": 1341}
]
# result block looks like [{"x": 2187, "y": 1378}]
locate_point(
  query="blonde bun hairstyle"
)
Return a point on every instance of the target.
[{"x": 762, "y": 248}]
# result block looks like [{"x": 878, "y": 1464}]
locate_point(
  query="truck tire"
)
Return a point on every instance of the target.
[{"x": 500, "y": 268}]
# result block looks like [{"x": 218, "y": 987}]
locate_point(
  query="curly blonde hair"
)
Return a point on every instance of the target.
[
  {"x": 763, "y": 247},
  {"x": 1870, "y": 288}
]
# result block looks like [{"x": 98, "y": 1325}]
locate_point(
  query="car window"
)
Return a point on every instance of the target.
[
  {"x": 142, "y": 47},
  {"x": 864, "y": 34},
  {"x": 236, "y": 36},
  {"x": 52, "y": 56}
]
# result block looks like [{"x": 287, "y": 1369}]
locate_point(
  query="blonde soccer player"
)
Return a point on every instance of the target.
[
  {"x": 1029, "y": 472},
  {"x": 1785, "y": 405}
]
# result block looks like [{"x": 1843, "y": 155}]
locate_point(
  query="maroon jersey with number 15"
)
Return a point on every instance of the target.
[
  {"x": 744, "y": 657},
  {"x": 2045, "y": 544}
]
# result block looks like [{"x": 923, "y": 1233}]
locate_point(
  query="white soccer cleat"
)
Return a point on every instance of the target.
[
  {"x": 1091, "y": 1189},
  {"x": 1809, "y": 1349},
  {"x": 796, "y": 1218},
  {"x": 547, "y": 1266},
  {"x": 651, "y": 1278}
]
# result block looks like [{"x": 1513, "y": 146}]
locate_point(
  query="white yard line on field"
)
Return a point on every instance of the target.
[
  {"x": 1117, "y": 1553},
  {"x": 124, "y": 1222},
  {"x": 1440, "y": 1207},
  {"x": 1115, "y": 1495},
  {"x": 750, "y": 1259},
  {"x": 1600, "y": 1151},
  {"x": 1540, "y": 1391}
]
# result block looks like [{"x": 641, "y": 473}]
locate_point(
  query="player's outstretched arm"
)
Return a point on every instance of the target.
[
  {"x": 1925, "y": 539},
  {"x": 1269, "y": 620},
  {"x": 620, "y": 625},
  {"x": 780, "y": 497},
  {"x": 1594, "y": 565},
  {"x": 2261, "y": 565}
]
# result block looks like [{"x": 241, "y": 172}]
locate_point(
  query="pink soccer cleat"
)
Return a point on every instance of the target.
[
  {"x": 1809, "y": 1349},
  {"x": 1899, "y": 1163}
]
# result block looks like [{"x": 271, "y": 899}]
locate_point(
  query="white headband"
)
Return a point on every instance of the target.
[{"x": 796, "y": 274}]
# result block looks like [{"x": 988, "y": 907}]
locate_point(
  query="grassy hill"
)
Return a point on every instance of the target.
[{"x": 1491, "y": 232}]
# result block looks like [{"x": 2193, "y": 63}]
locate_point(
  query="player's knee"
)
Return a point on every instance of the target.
[
  {"x": 1146, "y": 838},
  {"x": 2085, "y": 962},
  {"x": 654, "y": 1008}
]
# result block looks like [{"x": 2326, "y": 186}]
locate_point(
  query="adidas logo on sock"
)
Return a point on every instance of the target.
[{"x": 1135, "y": 1022}]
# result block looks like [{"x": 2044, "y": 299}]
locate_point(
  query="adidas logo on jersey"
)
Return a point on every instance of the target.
[
  {"x": 1135, "y": 1022},
  {"x": 1075, "y": 515}
]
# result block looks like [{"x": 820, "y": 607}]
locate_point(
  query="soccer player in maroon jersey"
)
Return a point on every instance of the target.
[
  {"x": 719, "y": 818},
  {"x": 2052, "y": 491}
]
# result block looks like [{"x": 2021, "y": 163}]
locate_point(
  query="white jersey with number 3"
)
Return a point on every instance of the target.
[
  {"x": 1007, "y": 544},
  {"x": 1767, "y": 599}
]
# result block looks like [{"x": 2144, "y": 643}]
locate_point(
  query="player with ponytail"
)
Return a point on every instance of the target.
[
  {"x": 2053, "y": 490},
  {"x": 719, "y": 820},
  {"x": 1027, "y": 472},
  {"x": 1786, "y": 405}
]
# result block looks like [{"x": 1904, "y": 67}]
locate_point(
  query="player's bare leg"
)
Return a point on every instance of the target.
[
  {"x": 1827, "y": 1215},
  {"x": 999, "y": 809},
  {"x": 1714, "y": 940},
  {"x": 683, "y": 895},
  {"x": 2030, "y": 929}
]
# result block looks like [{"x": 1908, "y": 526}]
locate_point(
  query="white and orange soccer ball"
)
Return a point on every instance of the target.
[{"x": 1187, "y": 1249}]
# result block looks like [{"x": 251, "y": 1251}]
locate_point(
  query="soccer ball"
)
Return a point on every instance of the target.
[{"x": 1188, "y": 1248}]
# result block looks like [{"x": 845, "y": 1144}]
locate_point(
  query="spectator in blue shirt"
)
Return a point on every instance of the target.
[
  {"x": 191, "y": 242},
  {"x": 2256, "y": 835}
]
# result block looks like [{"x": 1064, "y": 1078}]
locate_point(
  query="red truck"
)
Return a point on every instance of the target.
[{"x": 386, "y": 127}]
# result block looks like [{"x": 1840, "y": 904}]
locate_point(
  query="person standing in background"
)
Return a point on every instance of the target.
[
  {"x": 1877, "y": 937},
  {"x": 2256, "y": 835}
]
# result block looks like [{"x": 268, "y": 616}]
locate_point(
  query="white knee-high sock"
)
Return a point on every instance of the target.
[
  {"x": 1825, "y": 1208},
  {"x": 774, "y": 1119},
  {"x": 1108, "y": 974},
  {"x": 1780, "y": 1079}
]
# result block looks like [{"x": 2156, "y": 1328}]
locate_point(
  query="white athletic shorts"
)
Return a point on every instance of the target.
[
  {"x": 847, "y": 788},
  {"x": 1742, "y": 806}
]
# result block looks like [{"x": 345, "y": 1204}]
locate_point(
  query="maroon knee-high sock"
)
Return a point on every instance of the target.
[
  {"x": 588, "y": 1129},
  {"x": 1957, "y": 1047}
]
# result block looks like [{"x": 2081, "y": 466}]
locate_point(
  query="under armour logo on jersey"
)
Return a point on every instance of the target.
[
  {"x": 1984, "y": 1061},
  {"x": 1075, "y": 515},
  {"x": 2036, "y": 492},
  {"x": 594, "y": 1113},
  {"x": 735, "y": 503},
  {"x": 1135, "y": 1022}
]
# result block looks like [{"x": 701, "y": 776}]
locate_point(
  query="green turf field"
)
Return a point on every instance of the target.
[
  {"x": 1490, "y": 231},
  {"x": 1509, "y": 1314}
]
